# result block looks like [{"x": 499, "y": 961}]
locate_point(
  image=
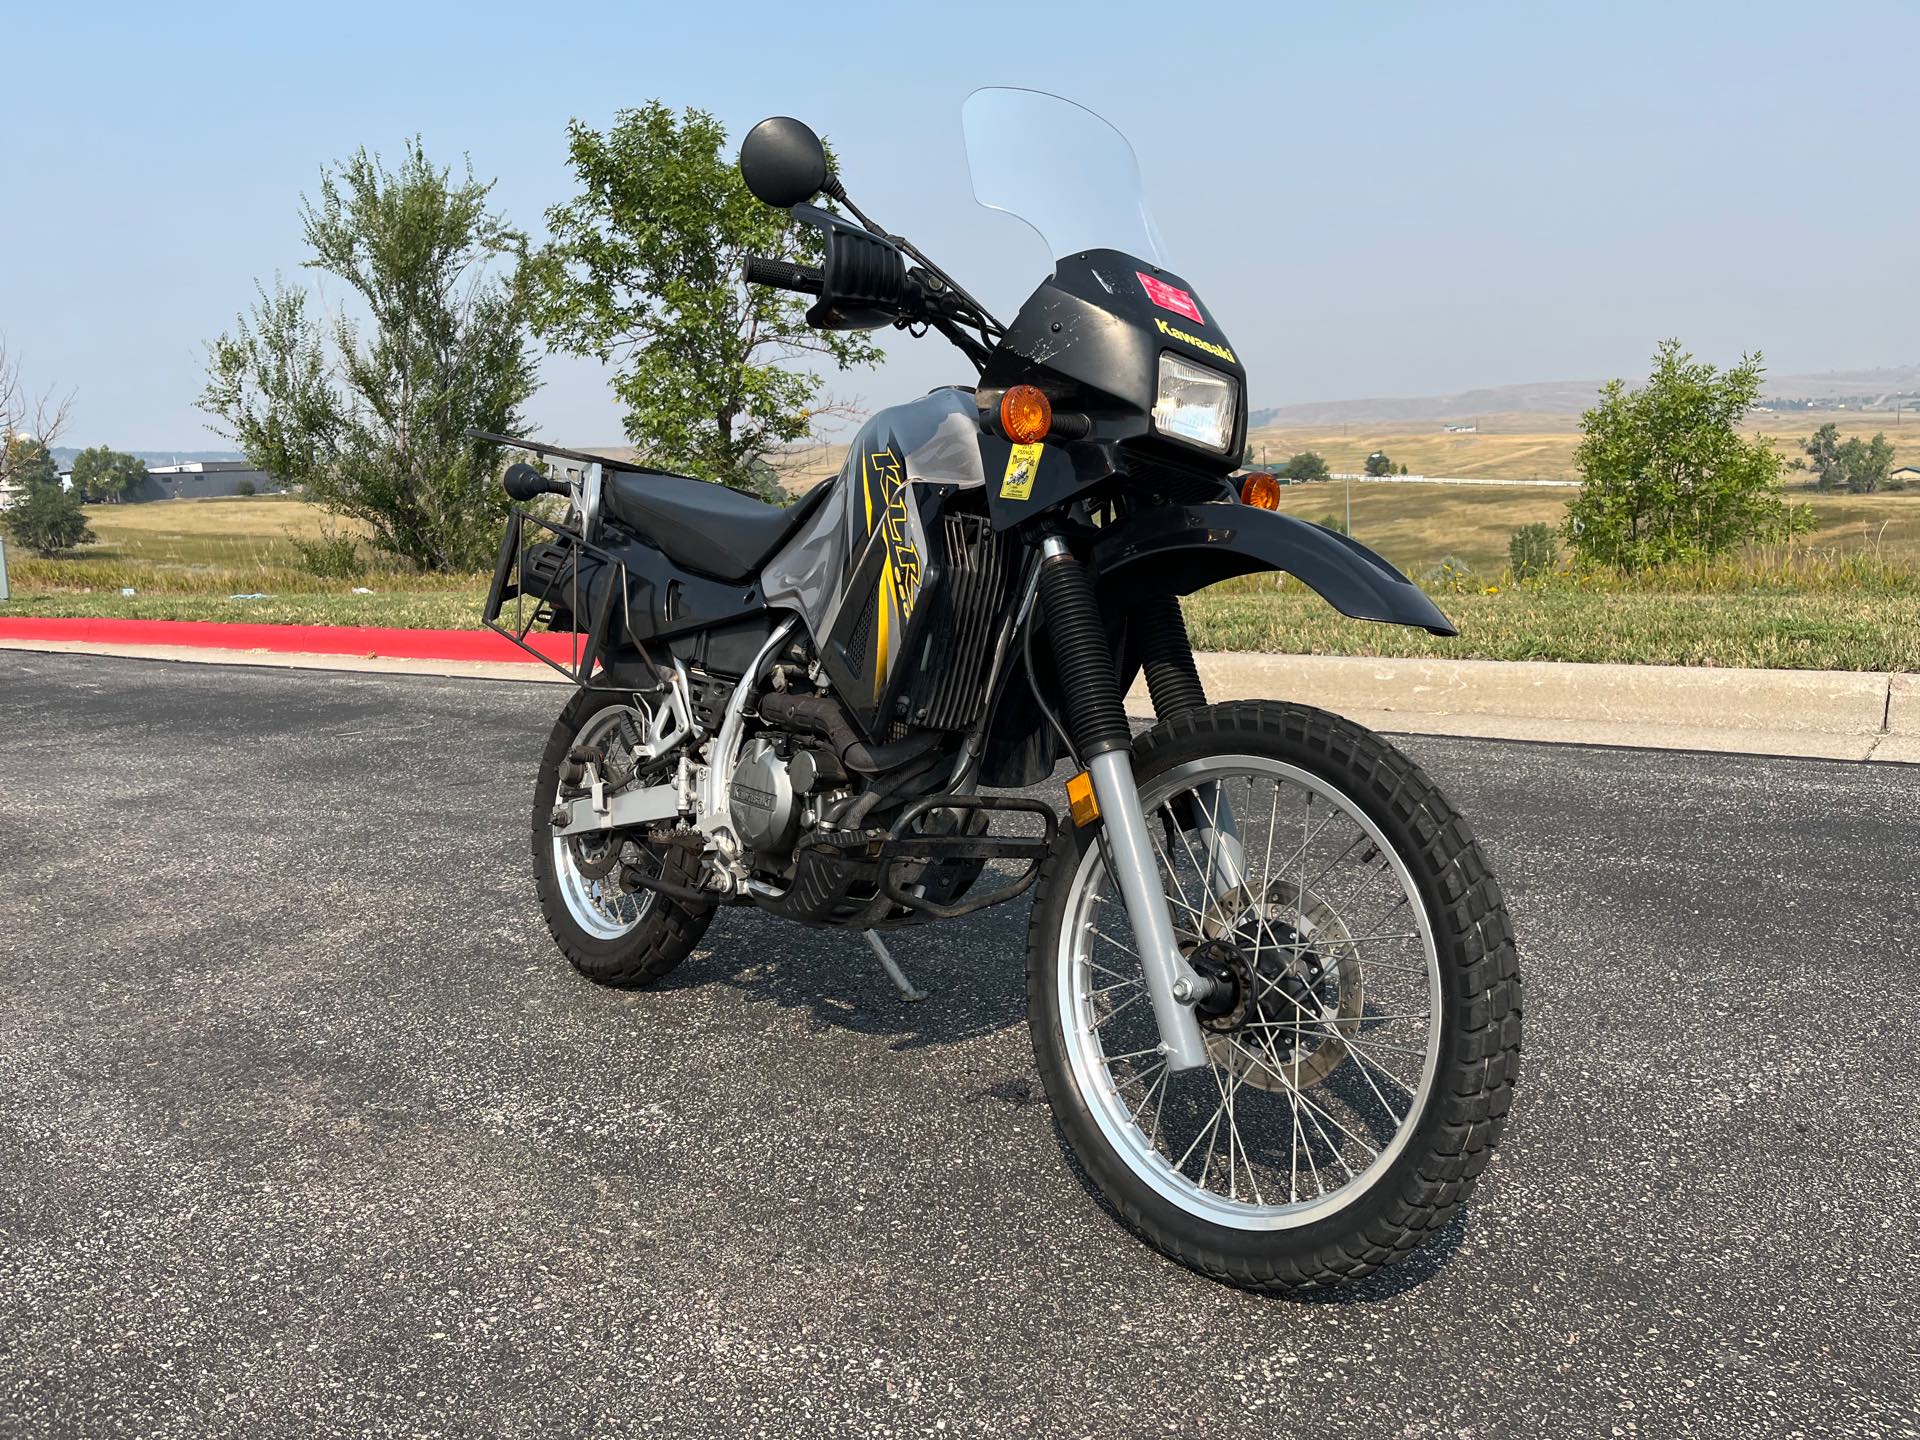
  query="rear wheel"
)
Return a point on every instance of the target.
[
  {"x": 614, "y": 931},
  {"x": 1363, "y": 1036}
]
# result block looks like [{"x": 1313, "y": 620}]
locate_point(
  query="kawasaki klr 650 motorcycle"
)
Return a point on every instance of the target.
[{"x": 1272, "y": 987}]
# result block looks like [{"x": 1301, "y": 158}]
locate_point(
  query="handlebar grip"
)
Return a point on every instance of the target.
[
  {"x": 522, "y": 482},
  {"x": 784, "y": 275}
]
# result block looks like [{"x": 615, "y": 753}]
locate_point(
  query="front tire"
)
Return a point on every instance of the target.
[
  {"x": 1364, "y": 1040},
  {"x": 625, "y": 939}
]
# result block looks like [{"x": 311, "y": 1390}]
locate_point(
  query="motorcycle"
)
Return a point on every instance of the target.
[{"x": 1273, "y": 992}]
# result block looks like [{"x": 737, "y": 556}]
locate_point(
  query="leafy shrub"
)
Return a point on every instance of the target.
[
  {"x": 1533, "y": 551},
  {"x": 245, "y": 487},
  {"x": 1452, "y": 574},
  {"x": 1333, "y": 523},
  {"x": 331, "y": 557},
  {"x": 46, "y": 519}
]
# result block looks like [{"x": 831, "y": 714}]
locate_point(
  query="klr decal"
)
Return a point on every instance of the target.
[{"x": 1170, "y": 297}]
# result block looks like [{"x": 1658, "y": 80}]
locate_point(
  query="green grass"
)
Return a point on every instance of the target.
[
  {"x": 1803, "y": 631},
  {"x": 452, "y": 608}
]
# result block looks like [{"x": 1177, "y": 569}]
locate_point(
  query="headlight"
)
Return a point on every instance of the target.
[{"x": 1195, "y": 403}]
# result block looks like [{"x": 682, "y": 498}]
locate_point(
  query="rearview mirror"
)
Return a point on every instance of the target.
[{"x": 783, "y": 162}]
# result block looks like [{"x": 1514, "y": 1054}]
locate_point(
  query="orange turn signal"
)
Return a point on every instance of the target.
[
  {"x": 1260, "y": 490},
  {"x": 1026, "y": 415}
]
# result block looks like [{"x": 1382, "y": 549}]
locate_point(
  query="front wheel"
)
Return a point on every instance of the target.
[{"x": 1363, "y": 1030}]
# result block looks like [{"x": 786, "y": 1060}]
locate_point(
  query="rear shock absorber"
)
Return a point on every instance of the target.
[{"x": 1096, "y": 720}]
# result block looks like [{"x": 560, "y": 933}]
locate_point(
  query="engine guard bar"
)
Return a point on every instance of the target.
[{"x": 902, "y": 846}]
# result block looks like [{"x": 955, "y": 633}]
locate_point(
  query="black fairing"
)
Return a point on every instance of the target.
[{"x": 1091, "y": 337}]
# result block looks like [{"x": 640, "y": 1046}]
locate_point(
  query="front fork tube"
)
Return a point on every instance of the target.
[
  {"x": 1097, "y": 722},
  {"x": 1138, "y": 874},
  {"x": 1173, "y": 680},
  {"x": 1223, "y": 859}
]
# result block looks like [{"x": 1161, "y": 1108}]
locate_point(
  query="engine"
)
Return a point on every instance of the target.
[
  {"x": 761, "y": 800},
  {"x": 777, "y": 784}
]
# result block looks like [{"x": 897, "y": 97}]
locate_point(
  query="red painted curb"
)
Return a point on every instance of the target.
[{"x": 290, "y": 639}]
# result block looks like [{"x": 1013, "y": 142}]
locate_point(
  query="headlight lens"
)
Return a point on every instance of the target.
[{"x": 1195, "y": 403}]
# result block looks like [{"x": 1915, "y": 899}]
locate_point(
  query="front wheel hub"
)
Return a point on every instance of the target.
[{"x": 1227, "y": 1005}]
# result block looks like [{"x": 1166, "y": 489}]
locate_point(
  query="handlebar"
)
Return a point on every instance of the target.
[
  {"x": 522, "y": 482},
  {"x": 784, "y": 275}
]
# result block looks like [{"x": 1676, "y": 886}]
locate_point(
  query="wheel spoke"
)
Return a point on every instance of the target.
[{"x": 1279, "y": 1075}]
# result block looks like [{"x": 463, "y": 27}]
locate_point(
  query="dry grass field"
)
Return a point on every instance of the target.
[
  {"x": 1417, "y": 526},
  {"x": 1540, "y": 447}
]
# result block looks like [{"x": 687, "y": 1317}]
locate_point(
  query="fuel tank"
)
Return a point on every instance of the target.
[{"x": 899, "y": 575}]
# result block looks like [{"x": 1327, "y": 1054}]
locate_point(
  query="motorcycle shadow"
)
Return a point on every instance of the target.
[{"x": 973, "y": 970}]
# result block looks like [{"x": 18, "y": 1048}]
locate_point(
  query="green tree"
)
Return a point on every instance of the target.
[
  {"x": 1378, "y": 464},
  {"x": 1307, "y": 465},
  {"x": 25, "y": 462},
  {"x": 1823, "y": 455},
  {"x": 103, "y": 476},
  {"x": 643, "y": 273},
  {"x": 1864, "y": 465},
  {"x": 45, "y": 516},
  {"x": 442, "y": 349},
  {"x": 1667, "y": 474}
]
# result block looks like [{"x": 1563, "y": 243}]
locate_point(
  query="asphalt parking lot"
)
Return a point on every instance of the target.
[{"x": 306, "y": 1129}]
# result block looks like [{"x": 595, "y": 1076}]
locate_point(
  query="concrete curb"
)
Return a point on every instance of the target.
[
  {"x": 1815, "y": 714},
  {"x": 1828, "y": 714}
]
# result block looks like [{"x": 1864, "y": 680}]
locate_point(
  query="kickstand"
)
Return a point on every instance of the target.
[{"x": 908, "y": 990}]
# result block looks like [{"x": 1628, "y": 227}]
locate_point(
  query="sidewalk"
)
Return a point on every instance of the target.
[{"x": 1821, "y": 714}]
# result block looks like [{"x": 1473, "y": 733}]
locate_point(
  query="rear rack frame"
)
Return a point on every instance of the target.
[{"x": 588, "y": 651}]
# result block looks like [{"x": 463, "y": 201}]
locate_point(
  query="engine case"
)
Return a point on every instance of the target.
[{"x": 761, "y": 800}]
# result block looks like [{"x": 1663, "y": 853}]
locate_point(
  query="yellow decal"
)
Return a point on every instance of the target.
[
  {"x": 1194, "y": 340},
  {"x": 900, "y": 561},
  {"x": 1021, "y": 465}
]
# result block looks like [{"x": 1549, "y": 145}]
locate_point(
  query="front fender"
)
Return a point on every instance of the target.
[{"x": 1177, "y": 549}]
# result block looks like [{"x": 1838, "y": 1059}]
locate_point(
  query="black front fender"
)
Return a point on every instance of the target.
[{"x": 1177, "y": 549}]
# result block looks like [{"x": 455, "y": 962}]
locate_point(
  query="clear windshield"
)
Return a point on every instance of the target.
[{"x": 1060, "y": 168}]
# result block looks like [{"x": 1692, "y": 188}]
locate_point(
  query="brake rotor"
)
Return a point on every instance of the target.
[{"x": 1306, "y": 985}]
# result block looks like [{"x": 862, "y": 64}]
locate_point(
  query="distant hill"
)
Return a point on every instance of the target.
[{"x": 1570, "y": 397}]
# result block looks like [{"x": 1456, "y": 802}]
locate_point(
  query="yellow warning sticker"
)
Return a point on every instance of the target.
[{"x": 1021, "y": 465}]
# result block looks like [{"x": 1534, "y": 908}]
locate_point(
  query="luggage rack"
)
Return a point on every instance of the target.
[
  {"x": 525, "y": 556},
  {"x": 528, "y": 575}
]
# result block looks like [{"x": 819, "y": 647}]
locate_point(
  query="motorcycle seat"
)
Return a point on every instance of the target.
[{"x": 703, "y": 526}]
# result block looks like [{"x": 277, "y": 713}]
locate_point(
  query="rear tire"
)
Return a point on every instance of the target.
[
  {"x": 622, "y": 950},
  {"x": 1457, "y": 1094}
]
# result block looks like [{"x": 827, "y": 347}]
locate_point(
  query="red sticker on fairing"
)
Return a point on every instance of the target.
[{"x": 1168, "y": 297}]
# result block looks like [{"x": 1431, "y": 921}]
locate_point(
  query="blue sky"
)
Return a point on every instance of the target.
[{"x": 1375, "y": 200}]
